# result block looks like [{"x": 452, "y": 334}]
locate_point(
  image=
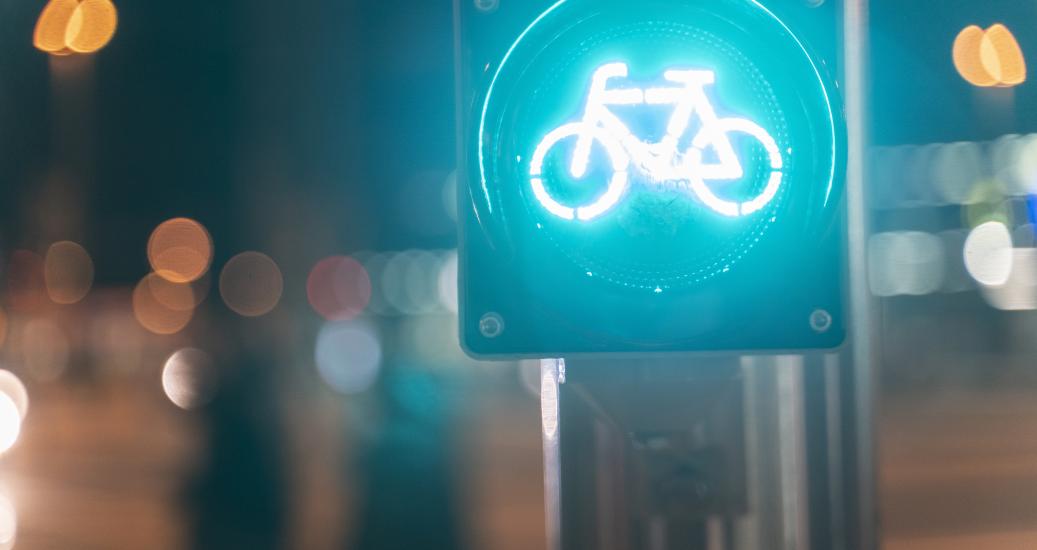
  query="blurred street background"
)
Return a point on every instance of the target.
[{"x": 228, "y": 282}]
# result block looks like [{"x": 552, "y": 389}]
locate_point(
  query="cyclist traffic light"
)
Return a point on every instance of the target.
[{"x": 660, "y": 175}]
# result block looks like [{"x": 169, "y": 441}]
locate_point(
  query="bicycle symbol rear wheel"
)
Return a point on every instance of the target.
[
  {"x": 721, "y": 129},
  {"x": 618, "y": 181}
]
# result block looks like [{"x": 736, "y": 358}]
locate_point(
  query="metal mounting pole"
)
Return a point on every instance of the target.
[
  {"x": 552, "y": 373},
  {"x": 855, "y": 51}
]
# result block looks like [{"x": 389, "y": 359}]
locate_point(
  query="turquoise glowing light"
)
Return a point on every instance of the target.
[
  {"x": 657, "y": 147},
  {"x": 702, "y": 191},
  {"x": 663, "y": 164},
  {"x": 648, "y": 176}
]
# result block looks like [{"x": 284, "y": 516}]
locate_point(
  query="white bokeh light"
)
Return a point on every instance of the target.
[
  {"x": 1019, "y": 293},
  {"x": 8, "y": 523},
  {"x": 988, "y": 254},
  {"x": 10, "y": 422},
  {"x": 348, "y": 356},
  {"x": 13, "y": 387},
  {"x": 905, "y": 263},
  {"x": 447, "y": 282},
  {"x": 394, "y": 284},
  {"x": 421, "y": 281},
  {"x": 189, "y": 378},
  {"x": 1025, "y": 166},
  {"x": 956, "y": 169}
]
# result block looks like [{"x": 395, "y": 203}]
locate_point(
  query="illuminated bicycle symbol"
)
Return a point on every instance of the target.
[{"x": 661, "y": 162}]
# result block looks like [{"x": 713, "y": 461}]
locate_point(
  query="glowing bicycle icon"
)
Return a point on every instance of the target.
[{"x": 661, "y": 162}]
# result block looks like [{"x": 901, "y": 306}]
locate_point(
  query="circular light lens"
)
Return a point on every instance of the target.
[{"x": 655, "y": 149}]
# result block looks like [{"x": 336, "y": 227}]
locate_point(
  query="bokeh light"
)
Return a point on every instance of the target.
[
  {"x": 394, "y": 276},
  {"x": 886, "y": 170},
  {"x": 1002, "y": 57},
  {"x": 1024, "y": 167},
  {"x": 905, "y": 263},
  {"x": 80, "y": 26},
  {"x": 10, "y": 423},
  {"x": 45, "y": 349},
  {"x": 180, "y": 250},
  {"x": 980, "y": 175},
  {"x": 448, "y": 282},
  {"x": 988, "y": 253},
  {"x": 917, "y": 174},
  {"x": 91, "y": 26},
  {"x": 68, "y": 272},
  {"x": 421, "y": 282},
  {"x": 251, "y": 284},
  {"x": 987, "y": 203},
  {"x": 26, "y": 290},
  {"x": 8, "y": 523},
  {"x": 956, "y": 168},
  {"x": 338, "y": 288},
  {"x": 348, "y": 356},
  {"x": 189, "y": 378},
  {"x": 410, "y": 282},
  {"x": 1019, "y": 292},
  {"x": 13, "y": 387},
  {"x": 175, "y": 296},
  {"x": 52, "y": 25},
  {"x": 990, "y": 57},
  {"x": 154, "y": 315}
]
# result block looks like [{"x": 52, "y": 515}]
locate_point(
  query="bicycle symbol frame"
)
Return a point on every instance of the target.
[{"x": 661, "y": 162}]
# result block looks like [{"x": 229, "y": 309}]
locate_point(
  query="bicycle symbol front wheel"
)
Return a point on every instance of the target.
[
  {"x": 720, "y": 130},
  {"x": 617, "y": 184}
]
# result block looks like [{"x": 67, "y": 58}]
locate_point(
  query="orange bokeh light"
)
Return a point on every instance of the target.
[
  {"x": 25, "y": 286},
  {"x": 180, "y": 250},
  {"x": 68, "y": 272},
  {"x": 175, "y": 296},
  {"x": 988, "y": 58},
  {"x": 52, "y": 25},
  {"x": 153, "y": 314},
  {"x": 75, "y": 26}
]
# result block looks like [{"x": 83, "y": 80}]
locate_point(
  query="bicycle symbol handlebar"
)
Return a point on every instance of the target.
[{"x": 661, "y": 162}]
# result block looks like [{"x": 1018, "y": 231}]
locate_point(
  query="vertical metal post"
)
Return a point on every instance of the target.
[
  {"x": 551, "y": 375},
  {"x": 792, "y": 445},
  {"x": 855, "y": 50},
  {"x": 776, "y": 446},
  {"x": 835, "y": 451}
]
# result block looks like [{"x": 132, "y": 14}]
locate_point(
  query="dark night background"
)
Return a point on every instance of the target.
[{"x": 318, "y": 128}]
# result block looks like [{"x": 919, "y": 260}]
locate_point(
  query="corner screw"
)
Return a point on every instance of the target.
[
  {"x": 491, "y": 325},
  {"x": 820, "y": 321}
]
